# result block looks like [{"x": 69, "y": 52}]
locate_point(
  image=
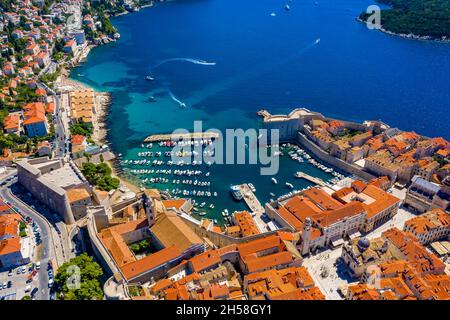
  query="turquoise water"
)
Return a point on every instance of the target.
[{"x": 263, "y": 61}]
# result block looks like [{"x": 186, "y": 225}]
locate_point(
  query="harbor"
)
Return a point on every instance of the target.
[
  {"x": 182, "y": 136},
  {"x": 157, "y": 165}
]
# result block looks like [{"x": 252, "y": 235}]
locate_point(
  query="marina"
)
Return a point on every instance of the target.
[{"x": 182, "y": 136}]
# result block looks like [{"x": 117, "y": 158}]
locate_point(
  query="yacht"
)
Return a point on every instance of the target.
[
  {"x": 236, "y": 192},
  {"x": 252, "y": 187}
]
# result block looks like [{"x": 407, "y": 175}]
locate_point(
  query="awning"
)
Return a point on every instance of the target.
[
  {"x": 355, "y": 235},
  {"x": 337, "y": 243}
]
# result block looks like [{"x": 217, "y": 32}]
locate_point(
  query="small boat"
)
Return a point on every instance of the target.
[
  {"x": 149, "y": 78},
  {"x": 273, "y": 14},
  {"x": 317, "y": 41},
  {"x": 289, "y": 185},
  {"x": 202, "y": 214},
  {"x": 287, "y": 7},
  {"x": 272, "y": 194},
  {"x": 274, "y": 181},
  {"x": 236, "y": 192},
  {"x": 151, "y": 99},
  {"x": 182, "y": 105},
  {"x": 252, "y": 187}
]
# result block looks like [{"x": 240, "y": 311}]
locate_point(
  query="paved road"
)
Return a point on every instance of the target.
[
  {"x": 51, "y": 248},
  {"x": 47, "y": 245}
]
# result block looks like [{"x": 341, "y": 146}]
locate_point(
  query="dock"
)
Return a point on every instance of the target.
[
  {"x": 254, "y": 206},
  {"x": 317, "y": 181},
  {"x": 182, "y": 136},
  {"x": 250, "y": 199}
]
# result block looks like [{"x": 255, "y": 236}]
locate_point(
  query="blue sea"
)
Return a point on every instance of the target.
[{"x": 268, "y": 58}]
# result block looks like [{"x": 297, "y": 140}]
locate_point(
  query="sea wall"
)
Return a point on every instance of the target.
[{"x": 324, "y": 156}]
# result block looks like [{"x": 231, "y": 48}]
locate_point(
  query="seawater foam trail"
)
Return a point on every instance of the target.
[
  {"x": 202, "y": 95},
  {"x": 195, "y": 61},
  {"x": 182, "y": 104}
]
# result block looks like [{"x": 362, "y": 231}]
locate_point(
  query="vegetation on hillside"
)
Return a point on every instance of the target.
[
  {"x": 425, "y": 18},
  {"x": 88, "y": 278}
]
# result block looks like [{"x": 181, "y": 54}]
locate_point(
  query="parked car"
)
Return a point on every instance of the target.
[
  {"x": 33, "y": 292},
  {"x": 9, "y": 284},
  {"x": 5, "y": 285},
  {"x": 10, "y": 273},
  {"x": 38, "y": 265},
  {"x": 24, "y": 269}
]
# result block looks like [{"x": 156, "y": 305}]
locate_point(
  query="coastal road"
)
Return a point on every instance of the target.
[
  {"x": 52, "y": 247},
  {"x": 47, "y": 246}
]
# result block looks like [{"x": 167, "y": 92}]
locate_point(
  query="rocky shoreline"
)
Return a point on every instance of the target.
[{"x": 408, "y": 36}]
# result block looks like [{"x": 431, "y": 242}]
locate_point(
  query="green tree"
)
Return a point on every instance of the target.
[{"x": 90, "y": 274}]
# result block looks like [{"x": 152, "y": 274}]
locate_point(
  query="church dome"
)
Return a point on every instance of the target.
[{"x": 363, "y": 244}]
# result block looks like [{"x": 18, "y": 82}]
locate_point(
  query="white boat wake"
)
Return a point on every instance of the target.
[
  {"x": 180, "y": 103},
  {"x": 194, "y": 61}
]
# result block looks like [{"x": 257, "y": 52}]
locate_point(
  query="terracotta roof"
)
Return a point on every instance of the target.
[
  {"x": 34, "y": 113},
  {"x": 77, "y": 194},
  {"x": 261, "y": 244},
  {"x": 246, "y": 223},
  {"x": 269, "y": 261},
  {"x": 345, "y": 211},
  {"x": 78, "y": 139},
  {"x": 205, "y": 260},
  {"x": 175, "y": 203},
  {"x": 170, "y": 230},
  {"x": 9, "y": 245},
  {"x": 322, "y": 199},
  {"x": 150, "y": 262},
  {"x": 11, "y": 121}
]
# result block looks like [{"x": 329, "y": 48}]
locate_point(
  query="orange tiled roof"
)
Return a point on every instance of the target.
[
  {"x": 322, "y": 199},
  {"x": 246, "y": 223},
  {"x": 77, "y": 194},
  {"x": 9, "y": 245},
  {"x": 261, "y": 244},
  {"x": 205, "y": 260},
  {"x": 34, "y": 113},
  {"x": 269, "y": 261},
  {"x": 78, "y": 139},
  {"x": 11, "y": 122},
  {"x": 136, "y": 268}
]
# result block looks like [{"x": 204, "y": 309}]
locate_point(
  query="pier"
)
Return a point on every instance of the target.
[
  {"x": 182, "y": 136},
  {"x": 254, "y": 205},
  {"x": 317, "y": 181}
]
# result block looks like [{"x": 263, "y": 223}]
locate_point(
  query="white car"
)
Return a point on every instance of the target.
[
  {"x": 38, "y": 265},
  {"x": 24, "y": 269},
  {"x": 5, "y": 285}
]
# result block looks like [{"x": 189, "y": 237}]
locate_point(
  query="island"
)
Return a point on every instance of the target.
[{"x": 421, "y": 19}]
